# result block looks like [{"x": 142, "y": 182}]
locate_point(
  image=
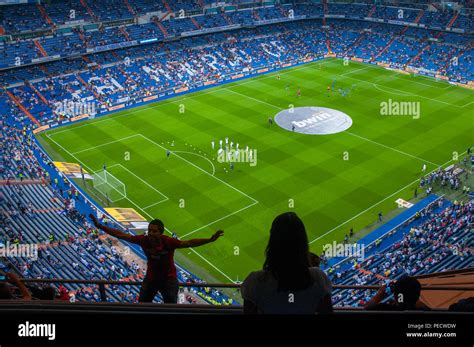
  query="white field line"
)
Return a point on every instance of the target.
[
  {"x": 138, "y": 206},
  {"x": 398, "y": 77},
  {"x": 199, "y": 168},
  {"x": 411, "y": 94},
  {"x": 105, "y": 144},
  {"x": 374, "y": 142},
  {"x": 218, "y": 220},
  {"x": 217, "y": 89},
  {"x": 376, "y": 86},
  {"x": 159, "y": 192},
  {"x": 252, "y": 98},
  {"x": 386, "y": 233},
  {"x": 203, "y": 157},
  {"x": 378, "y": 203},
  {"x": 353, "y": 71},
  {"x": 146, "y": 183},
  {"x": 393, "y": 149}
]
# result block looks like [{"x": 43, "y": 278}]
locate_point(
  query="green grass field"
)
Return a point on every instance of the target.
[{"x": 331, "y": 195}]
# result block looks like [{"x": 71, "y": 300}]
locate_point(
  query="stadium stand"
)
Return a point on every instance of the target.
[{"x": 131, "y": 63}]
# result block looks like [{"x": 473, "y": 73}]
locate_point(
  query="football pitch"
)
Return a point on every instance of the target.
[{"x": 333, "y": 182}]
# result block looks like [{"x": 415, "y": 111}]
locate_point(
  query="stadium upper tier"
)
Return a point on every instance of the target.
[
  {"x": 54, "y": 14},
  {"x": 128, "y": 76},
  {"x": 76, "y": 27}
]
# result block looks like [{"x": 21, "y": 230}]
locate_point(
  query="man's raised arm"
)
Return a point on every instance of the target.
[
  {"x": 200, "y": 242},
  {"x": 111, "y": 231}
]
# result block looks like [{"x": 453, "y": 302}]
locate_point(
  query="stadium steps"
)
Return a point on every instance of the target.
[
  {"x": 40, "y": 48},
  {"x": 356, "y": 42},
  {"x": 226, "y": 17},
  {"x": 418, "y": 18},
  {"x": 44, "y": 14},
  {"x": 161, "y": 27},
  {"x": 451, "y": 22},
  {"x": 124, "y": 32},
  {"x": 196, "y": 24},
  {"x": 325, "y": 7},
  {"x": 37, "y": 92},
  {"x": 22, "y": 108},
  {"x": 283, "y": 12},
  {"x": 87, "y": 85},
  {"x": 167, "y": 6},
  {"x": 415, "y": 58},
  {"x": 255, "y": 15},
  {"x": 372, "y": 11},
  {"x": 83, "y": 38},
  {"x": 129, "y": 78},
  {"x": 385, "y": 48},
  {"x": 89, "y": 10},
  {"x": 129, "y": 7},
  {"x": 201, "y": 3},
  {"x": 2, "y": 30}
]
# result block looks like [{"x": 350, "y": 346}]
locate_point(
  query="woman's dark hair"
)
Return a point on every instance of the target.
[{"x": 287, "y": 253}]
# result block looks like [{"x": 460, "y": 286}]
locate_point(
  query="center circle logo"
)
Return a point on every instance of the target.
[{"x": 313, "y": 120}]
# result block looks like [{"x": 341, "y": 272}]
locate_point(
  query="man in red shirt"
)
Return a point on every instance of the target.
[{"x": 159, "y": 250}]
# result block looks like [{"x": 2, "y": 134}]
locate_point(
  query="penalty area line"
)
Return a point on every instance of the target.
[{"x": 141, "y": 209}]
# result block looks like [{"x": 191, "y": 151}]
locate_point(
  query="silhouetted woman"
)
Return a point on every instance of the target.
[{"x": 287, "y": 284}]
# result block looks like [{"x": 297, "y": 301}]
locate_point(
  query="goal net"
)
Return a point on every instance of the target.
[{"x": 109, "y": 186}]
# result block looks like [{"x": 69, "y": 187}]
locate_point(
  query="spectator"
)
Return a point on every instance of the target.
[
  {"x": 287, "y": 284},
  {"x": 159, "y": 249},
  {"x": 406, "y": 292},
  {"x": 463, "y": 305}
]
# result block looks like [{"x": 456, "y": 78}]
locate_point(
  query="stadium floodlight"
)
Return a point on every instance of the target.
[{"x": 109, "y": 186}]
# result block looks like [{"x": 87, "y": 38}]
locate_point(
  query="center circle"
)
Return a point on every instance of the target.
[{"x": 313, "y": 120}]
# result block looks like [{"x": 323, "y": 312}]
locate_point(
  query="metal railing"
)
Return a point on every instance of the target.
[{"x": 101, "y": 284}]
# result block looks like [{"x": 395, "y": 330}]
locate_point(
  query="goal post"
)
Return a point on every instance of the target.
[{"x": 109, "y": 186}]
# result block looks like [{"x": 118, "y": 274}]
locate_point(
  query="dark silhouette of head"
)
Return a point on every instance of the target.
[
  {"x": 287, "y": 254},
  {"x": 406, "y": 291},
  {"x": 314, "y": 260},
  {"x": 463, "y": 305},
  {"x": 156, "y": 228}
]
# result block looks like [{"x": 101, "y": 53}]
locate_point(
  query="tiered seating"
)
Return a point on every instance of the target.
[
  {"x": 439, "y": 240},
  {"x": 349, "y": 10},
  {"x": 62, "y": 12},
  {"x": 211, "y": 21},
  {"x": 68, "y": 44},
  {"x": 144, "y": 32},
  {"x": 16, "y": 18},
  {"x": 17, "y": 53},
  {"x": 108, "y": 10},
  {"x": 32, "y": 102},
  {"x": 160, "y": 67},
  {"x": 178, "y": 26},
  {"x": 186, "y": 5},
  {"x": 402, "y": 14},
  {"x": 145, "y": 6},
  {"x": 436, "y": 19}
]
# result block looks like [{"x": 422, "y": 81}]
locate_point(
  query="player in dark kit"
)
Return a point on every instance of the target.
[{"x": 159, "y": 250}]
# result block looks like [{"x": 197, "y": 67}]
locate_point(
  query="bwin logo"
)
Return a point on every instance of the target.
[
  {"x": 37, "y": 330},
  {"x": 317, "y": 117}
]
